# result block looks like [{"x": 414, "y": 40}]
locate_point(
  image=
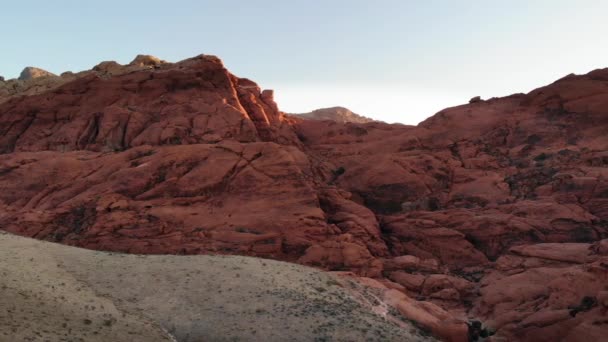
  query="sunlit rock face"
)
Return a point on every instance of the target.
[
  {"x": 495, "y": 211},
  {"x": 30, "y": 73}
]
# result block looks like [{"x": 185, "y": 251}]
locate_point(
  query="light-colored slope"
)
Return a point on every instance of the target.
[
  {"x": 40, "y": 300},
  {"x": 60, "y": 293}
]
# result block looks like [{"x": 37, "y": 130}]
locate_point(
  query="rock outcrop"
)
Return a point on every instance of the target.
[
  {"x": 475, "y": 99},
  {"x": 492, "y": 216},
  {"x": 33, "y": 81},
  {"x": 191, "y": 102},
  {"x": 147, "y": 61},
  {"x": 30, "y": 73},
  {"x": 337, "y": 114}
]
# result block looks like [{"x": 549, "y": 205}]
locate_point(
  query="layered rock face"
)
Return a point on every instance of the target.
[
  {"x": 495, "y": 211},
  {"x": 195, "y": 101},
  {"x": 337, "y": 114}
]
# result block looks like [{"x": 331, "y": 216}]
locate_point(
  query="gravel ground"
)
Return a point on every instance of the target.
[{"x": 53, "y": 292}]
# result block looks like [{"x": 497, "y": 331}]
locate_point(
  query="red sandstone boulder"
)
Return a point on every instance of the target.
[{"x": 343, "y": 253}]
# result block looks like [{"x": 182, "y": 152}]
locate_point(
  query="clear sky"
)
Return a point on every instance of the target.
[{"x": 394, "y": 60}]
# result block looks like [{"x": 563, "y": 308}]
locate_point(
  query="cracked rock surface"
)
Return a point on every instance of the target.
[{"x": 495, "y": 211}]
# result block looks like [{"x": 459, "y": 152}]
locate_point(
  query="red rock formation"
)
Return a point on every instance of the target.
[
  {"x": 337, "y": 114},
  {"x": 494, "y": 211}
]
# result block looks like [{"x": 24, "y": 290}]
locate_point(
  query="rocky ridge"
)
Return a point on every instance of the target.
[
  {"x": 337, "y": 114},
  {"x": 492, "y": 216},
  {"x": 34, "y": 80}
]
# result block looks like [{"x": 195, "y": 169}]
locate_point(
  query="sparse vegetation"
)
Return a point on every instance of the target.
[{"x": 237, "y": 294}]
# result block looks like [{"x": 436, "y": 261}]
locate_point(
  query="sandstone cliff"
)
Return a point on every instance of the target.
[{"x": 495, "y": 211}]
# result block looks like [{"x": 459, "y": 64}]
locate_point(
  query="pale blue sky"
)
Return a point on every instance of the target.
[{"x": 394, "y": 60}]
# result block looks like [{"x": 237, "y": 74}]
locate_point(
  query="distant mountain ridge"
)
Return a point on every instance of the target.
[{"x": 337, "y": 114}]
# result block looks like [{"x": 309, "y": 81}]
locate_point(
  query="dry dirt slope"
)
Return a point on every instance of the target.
[{"x": 50, "y": 292}]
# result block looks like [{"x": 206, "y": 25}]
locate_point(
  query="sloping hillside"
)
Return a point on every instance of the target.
[{"x": 54, "y": 293}]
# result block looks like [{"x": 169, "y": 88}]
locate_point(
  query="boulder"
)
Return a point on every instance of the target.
[
  {"x": 30, "y": 73},
  {"x": 475, "y": 99},
  {"x": 146, "y": 61},
  {"x": 108, "y": 67}
]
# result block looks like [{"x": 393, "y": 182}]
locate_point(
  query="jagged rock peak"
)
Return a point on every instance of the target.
[
  {"x": 338, "y": 114},
  {"x": 32, "y": 72}
]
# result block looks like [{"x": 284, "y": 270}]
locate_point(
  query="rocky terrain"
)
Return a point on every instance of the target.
[
  {"x": 54, "y": 293},
  {"x": 337, "y": 114},
  {"x": 34, "y": 80},
  {"x": 487, "y": 218}
]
